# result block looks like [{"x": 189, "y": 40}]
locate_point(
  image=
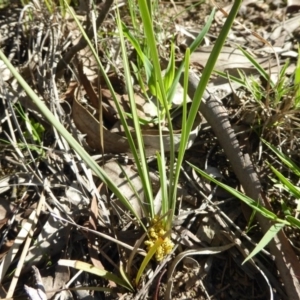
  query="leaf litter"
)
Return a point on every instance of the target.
[{"x": 74, "y": 195}]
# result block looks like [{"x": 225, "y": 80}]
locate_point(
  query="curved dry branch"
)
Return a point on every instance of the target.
[
  {"x": 82, "y": 42},
  {"x": 216, "y": 115}
]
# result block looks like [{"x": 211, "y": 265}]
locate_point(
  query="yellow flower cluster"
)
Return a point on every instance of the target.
[{"x": 157, "y": 232}]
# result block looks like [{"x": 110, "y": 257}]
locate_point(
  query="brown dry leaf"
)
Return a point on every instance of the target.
[
  {"x": 39, "y": 291},
  {"x": 5, "y": 248},
  {"x": 72, "y": 28},
  {"x": 20, "y": 177},
  {"x": 91, "y": 236},
  {"x": 84, "y": 80},
  {"x": 115, "y": 143},
  {"x": 179, "y": 96},
  {"x": 152, "y": 143},
  {"x": 45, "y": 287},
  {"x": 87, "y": 124},
  {"x": 229, "y": 59},
  {"x": 51, "y": 240},
  {"x": 116, "y": 81},
  {"x": 109, "y": 113},
  {"x": 4, "y": 72},
  {"x": 220, "y": 15},
  {"x": 93, "y": 251},
  {"x": 6, "y": 210},
  {"x": 88, "y": 63},
  {"x": 208, "y": 231},
  {"x": 75, "y": 196},
  {"x": 115, "y": 173},
  {"x": 145, "y": 109},
  {"x": 107, "y": 98},
  {"x": 293, "y": 3},
  {"x": 4, "y": 185},
  {"x": 61, "y": 277},
  {"x": 25, "y": 232},
  {"x": 284, "y": 29}
]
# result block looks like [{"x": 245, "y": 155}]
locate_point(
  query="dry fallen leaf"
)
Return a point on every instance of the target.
[
  {"x": 6, "y": 210},
  {"x": 90, "y": 126},
  {"x": 229, "y": 59},
  {"x": 115, "y": 173},
  {"x": 4, "y": 72},
  {"x": 152, "y": 143},
  {"x": 293, "y": 3},
  {"x": 51, "y": 240},
  {"x": 284, "y": 29}
]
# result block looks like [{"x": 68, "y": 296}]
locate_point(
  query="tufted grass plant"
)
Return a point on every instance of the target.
[{"x": 158, "y": 233}]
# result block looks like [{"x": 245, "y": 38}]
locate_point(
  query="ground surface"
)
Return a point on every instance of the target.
[{"x": 53, "y": 180}]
